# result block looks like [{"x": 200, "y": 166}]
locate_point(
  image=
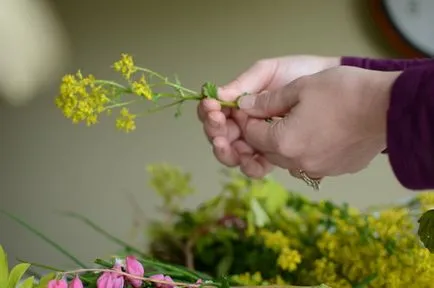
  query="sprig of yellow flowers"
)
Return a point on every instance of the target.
[{"x": 85, "y": 98}]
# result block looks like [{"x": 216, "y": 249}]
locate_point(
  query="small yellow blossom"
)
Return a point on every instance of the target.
[
  {"x": 248, "y": 279},
  {"x": 142, "y": 88},
  {"x": 81, "y": 98},
  {"x": 125, "y": 66},
  {"x": 274, "y": 240},
  {"x": 289, "y": 259},
  {"x": 426, "y": 200},
  {"x": 126, "y": 120}
]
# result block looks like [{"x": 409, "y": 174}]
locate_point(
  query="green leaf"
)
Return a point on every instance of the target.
[
  {"x": 43, "y": 282},
  {"x": 103, "y": 232},
  {"x": 224, "y": 265},
  {"x": 260, "y": 216},
  {"x": 276, "y": 198},
  {"x": 16, "y": 274},
  {"x": 209, "y": 90},
  {"x": 28, "y": 283},
  {"x": 45, "y": 238},
  {"x": 4, "y": 270},
  {"x": 426, "y": 229}
]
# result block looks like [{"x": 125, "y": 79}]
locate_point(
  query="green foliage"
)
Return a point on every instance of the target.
[
  {"x": 233, "y": 234},
  {"x": 170, "y": 183},
  {"x": 13, "y": 278},
  {"x": 209, "y": 90},
  {"x": 426, "y": 229}
]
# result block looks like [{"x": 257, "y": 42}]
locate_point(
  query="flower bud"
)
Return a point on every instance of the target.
[
  {"x": 135, "y": 268},
  {"x": 161, "y": 277},
  {"x": 110, "y": 280},
  {"x": 58, "y": 283},
  {"x": 76, "y": 283}
]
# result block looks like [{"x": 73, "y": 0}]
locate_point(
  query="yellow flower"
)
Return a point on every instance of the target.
[
  {"x": 248, "y": 279},
  {"x": 426, "y": 200},
  {"x": 274, "y": 240},
  {"x": 289, "y": 259},
  {"x": 125, "y": 66},
  {"x": 142, "y": 88},
  {"x": 81, "y": 99},
  {"x": 126, "y": 120}
]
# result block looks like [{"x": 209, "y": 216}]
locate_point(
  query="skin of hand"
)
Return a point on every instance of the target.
[
  {"x": 333, "y": 122},
  {"x": 222, "y": 126}
]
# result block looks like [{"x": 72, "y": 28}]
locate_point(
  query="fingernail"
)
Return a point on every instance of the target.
[{"x": 247, "y": 102}]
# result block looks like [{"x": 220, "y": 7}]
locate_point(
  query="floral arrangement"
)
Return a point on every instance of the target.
[
  {"x": 253, "y": 233},
  {"x": 131, "y": 268},
  {"x": 261, "y": 234}
]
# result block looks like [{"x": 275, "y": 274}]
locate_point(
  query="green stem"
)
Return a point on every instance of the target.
[
  {"x": 119, "y": 105},
  {"x": 45, "y": 238},
  {"x": 166, "y": 81},
  {"x": 159, "y": 108},
  {"x": 103, "y": 232},
  {"x": 46, "y": 267},
  {"x": 111, "y": 83}
]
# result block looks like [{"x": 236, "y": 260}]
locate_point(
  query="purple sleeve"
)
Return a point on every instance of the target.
[
  {"x": 410, "y": 128},
  {"x": 384, "y": 64}
]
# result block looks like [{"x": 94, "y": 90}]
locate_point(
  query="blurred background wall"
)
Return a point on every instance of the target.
[{"x": 48, "y": 164}]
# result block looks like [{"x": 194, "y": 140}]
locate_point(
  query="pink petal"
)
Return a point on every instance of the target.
[
  {"x": 135, "y": 268},
  {"x": 118, "y": 281},
  {"x": 105, "y": 280},
  {"x": 76, "y": 283},
  {"x": 58, "y": 284}
]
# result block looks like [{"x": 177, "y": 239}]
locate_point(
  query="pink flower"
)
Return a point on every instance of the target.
[
  {"x": 58, "y": 283},
  {"x": 110, "y": 280},
  {"x": 135, "y": 268},
  {"x": 199, "y": 281},
  {"x": 76, "y": 283},
  {"x": 161, "y": 277}
]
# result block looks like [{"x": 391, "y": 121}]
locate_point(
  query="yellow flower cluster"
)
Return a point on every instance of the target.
[
  {"x": 256, "y": 278},
  {"x": 125, "y": 121},
  {"x": 142, "y": 88},
  {"x": 81, "y": 98},
  {"x": 274, "y": 240},
  {"x": 426, "y": 200},
  {"x": 288, "y": 258},
  {"x": 384, "y": 245},
  {"x": 125, "y": 66}
]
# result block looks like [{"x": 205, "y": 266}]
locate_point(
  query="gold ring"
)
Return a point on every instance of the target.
[{"x": 314, "y": 183}]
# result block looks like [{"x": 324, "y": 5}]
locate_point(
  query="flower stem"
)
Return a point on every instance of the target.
[
  {"x": 119, "y": 105},
  {"x": 167, "y": 82},
  {"x": 111, "y": 83}
]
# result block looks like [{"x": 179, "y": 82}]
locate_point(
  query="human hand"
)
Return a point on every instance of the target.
[
  {"x": 222, "y": 126},
  {"x": 333, "y": 122}
]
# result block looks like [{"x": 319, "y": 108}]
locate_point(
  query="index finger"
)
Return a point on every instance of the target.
[{"x": 255, "y": 79}]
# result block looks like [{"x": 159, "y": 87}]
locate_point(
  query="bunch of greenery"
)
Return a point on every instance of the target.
[
  {"x": 130, "y": 268},
  {"x": 261, "y": 234}
]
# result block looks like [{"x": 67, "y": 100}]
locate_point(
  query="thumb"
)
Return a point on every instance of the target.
[
  {"x": 253, "y": 80},
  {"x": 270, "y": 104}
]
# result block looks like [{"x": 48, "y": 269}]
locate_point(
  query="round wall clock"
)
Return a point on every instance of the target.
[{"x": 408, "y": 25}]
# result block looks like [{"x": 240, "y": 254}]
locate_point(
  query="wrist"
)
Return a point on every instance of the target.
[{"x": 331, "y": 62}]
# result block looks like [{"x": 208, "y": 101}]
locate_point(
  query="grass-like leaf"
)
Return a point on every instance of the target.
[
  {"x": 45, "y": 238},
  {"x": 100, "y": 230}
]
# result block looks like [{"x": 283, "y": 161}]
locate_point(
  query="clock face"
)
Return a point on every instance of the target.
[{"x": 414, "y": 20}]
